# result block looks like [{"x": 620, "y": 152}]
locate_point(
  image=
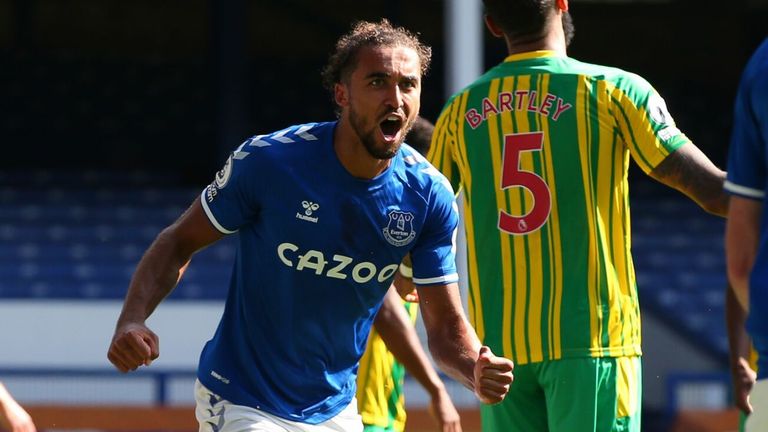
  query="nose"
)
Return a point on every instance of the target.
[{"x": 394, "y": 97}]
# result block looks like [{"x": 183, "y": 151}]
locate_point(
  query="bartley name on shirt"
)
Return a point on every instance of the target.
[{"x": 519, "y": 100}]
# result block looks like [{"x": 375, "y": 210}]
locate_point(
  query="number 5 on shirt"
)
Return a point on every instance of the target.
[{"x": 513, "y": 176}]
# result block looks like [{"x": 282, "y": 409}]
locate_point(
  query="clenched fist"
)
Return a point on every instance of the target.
[
  {"x": 133, "y": 345},
  {"x": 493, "y": 376}
]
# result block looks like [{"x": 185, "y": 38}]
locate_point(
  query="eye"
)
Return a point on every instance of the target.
[
  {"x": 408, "y": 84},
  {"x": 377, "y": 82}
]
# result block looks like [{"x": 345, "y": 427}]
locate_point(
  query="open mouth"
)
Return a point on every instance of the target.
[{"x": 390, "y": 127}]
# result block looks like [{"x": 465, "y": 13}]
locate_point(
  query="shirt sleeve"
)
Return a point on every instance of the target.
[
  {"x": 746, "y": 155},
  {"x": 434, "y": 255},
  {"x": 644, "y": 122},
  {"x": 232, "y": 199}
]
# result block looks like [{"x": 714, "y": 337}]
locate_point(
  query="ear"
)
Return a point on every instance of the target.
[
  {"x": 341, "y": 94},
  {"x": 493, "y": 27},
  {"x": 562, "y": 5}
]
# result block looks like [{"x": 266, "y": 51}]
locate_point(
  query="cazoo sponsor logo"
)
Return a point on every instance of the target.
[{"x": 338, "y": 267}]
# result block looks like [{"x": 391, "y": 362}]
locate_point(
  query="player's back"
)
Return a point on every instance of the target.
[{"x": 541, "y": 145}]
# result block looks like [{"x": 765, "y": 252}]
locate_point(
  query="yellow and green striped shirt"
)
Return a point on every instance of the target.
[
  {"x": 380, "y": 379},
  {"x": 540, "y": 145}
]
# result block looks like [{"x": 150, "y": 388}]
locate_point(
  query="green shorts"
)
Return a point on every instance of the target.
[
  {"x": 580, "y": 394},
  {"x": 742, "y": 420},
  {"x": 372, "y": 428}
]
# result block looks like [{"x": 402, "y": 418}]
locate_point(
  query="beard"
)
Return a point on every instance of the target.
[{"x": 369, "y": 137}]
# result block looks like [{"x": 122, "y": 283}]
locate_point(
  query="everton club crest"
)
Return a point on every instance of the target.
[{"x": 399, "y": 230}]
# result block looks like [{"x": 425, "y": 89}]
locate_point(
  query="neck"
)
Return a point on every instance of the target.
[
  {"x": 553, "y": 39},
  {"x": 352, "y": 153}
]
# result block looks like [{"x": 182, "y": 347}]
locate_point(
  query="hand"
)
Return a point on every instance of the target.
[
  {"x": 743, "y": 378},
  {"x": 411, "y": 297},
  {"x": 493, "y": 376},
  {"x": 13, "y": 418},
  {"x": 406, "y": 288},
  {"x": 133, "y": 345},
  {"x": 444, "y": 412}
]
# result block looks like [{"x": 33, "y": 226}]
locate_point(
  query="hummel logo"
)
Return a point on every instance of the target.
[
  {"x": 214, "y": 400},
  {"x": 309, "y": 208}
]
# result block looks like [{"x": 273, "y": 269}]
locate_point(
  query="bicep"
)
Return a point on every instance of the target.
[
  {"x": 691, "y": 172},
  {"x": 193, "y": 230},
  {"x": 742, "y": 230},
  {"x": 741, "y": 242}
]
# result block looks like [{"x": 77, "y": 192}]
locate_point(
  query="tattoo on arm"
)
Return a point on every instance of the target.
[{"x": 691, "y": 172}]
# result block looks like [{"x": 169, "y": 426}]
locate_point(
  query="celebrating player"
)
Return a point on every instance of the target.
[
  {"x": 325, "y": 213},
  {"x": 394, "y": 347}
]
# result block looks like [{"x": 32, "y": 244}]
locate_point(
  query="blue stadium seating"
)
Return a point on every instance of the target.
[
  {"x": 84, "y": 239},
  {"x": 63, "y": 238},
  {"x": 680, "y": 266}
]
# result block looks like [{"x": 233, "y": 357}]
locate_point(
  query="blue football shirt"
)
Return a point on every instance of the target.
[
  {"x": 318, "y": 249},
  {"x": 747, "y": 167}
]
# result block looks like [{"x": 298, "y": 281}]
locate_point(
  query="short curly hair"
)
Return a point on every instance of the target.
[
  {"x": 344, "y": 58},
  {"x": 525, "y": 20}
]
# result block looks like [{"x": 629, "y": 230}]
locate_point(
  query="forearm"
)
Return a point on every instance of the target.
[
  {"x": 740, "y": 289},
  {"x": 742, "y": 233},
  {"x": 735, "y": 319},
  {"x": 397, "y": 332},
  {"x": 133, "y": 343},
  {"x": 452, "y": 341},
  {"x": 455, "y": 349},
  {"x": 12, "y": 416},
  {"x": 739, "y": 265},
  {"x": 157, "y": 273},
  {"x": 708, "y": 191},
  {"x": 691, "y": 172},
  {"x": 5, "y": 396}
]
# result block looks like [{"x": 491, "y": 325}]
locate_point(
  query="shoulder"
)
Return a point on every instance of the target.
[
  {"x": 293, "y": 140},
  {"x": 617, "y": 77},
  {"x": 422, "y": 176},
  {"x": 628, "y": 91},
  {"x": 755, "y": 73},
  {"x": 758, "y": 63}
]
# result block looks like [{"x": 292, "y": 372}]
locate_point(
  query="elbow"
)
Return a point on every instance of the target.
[
  {"x": 717, "y": 204},
  {"x": 169, "y": 244},
  {"x": 717, "y": 207},
  {"x": 738, "y": 276},
  {"x": 382, "y": 322},
  {"x": 739, "y": 259}
]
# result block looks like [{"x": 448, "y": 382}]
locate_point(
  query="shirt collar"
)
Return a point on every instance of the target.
[{"x": 532, "y": 55}]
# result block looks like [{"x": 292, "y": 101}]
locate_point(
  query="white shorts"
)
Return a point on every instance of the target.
[
  {"x": 215, "y": 414},
  {"x": 758, "y": 397}
]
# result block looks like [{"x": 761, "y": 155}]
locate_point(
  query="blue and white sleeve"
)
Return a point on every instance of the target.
[
  {"x": 232, "y": 199},
  {"x": 434, "y": 256},
  {"x": 746, "y": 155}
]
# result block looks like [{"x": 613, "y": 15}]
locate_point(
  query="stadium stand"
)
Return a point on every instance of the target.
[
  {"x": 80, "y": 237},
  {"x": 82, "y": 240},
  {"x": 680, "y": 266}
]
